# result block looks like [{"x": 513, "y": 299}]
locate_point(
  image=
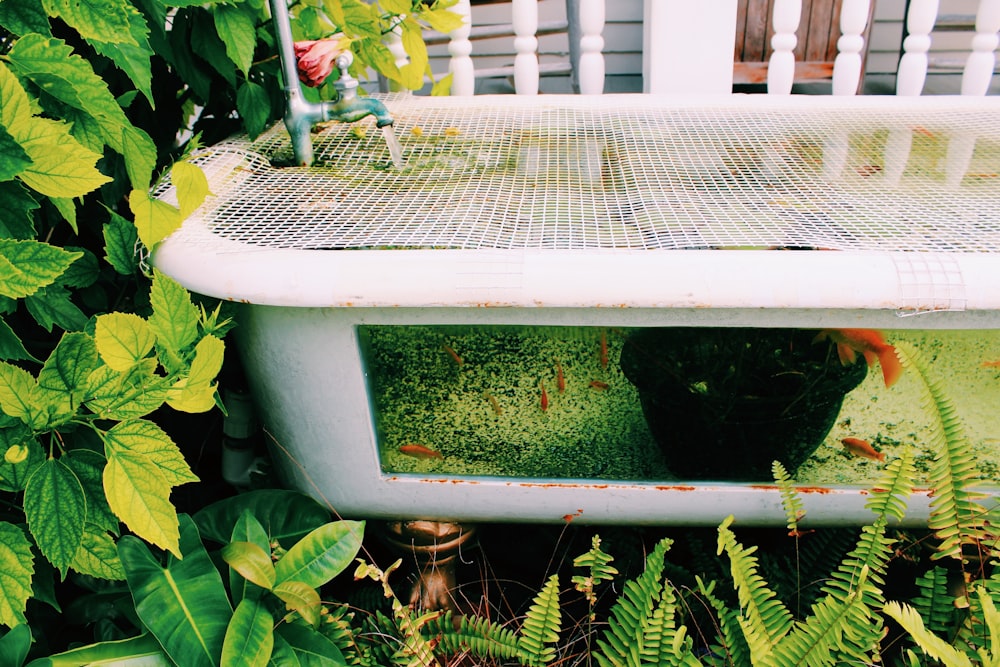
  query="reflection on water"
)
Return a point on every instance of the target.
[{"x": 553, "y": 402}]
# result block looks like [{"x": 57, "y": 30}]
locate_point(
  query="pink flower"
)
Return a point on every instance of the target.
[{"x": 316, "y": 57}]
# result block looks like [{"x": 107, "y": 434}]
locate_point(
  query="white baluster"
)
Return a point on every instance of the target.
[
  {"x": 958, "y": 157},
  {"x": 781, "y": 67},
  {"x": 847, "y": 66},
  {"x": 463, "y": 72},
  {"x": 591, "y": 74},
  {"x": 525, "y": 21},
  {"x": 979, "y": 67},
  {"x": 897, "y": 153},
  {"x": 913, "y": 65}
]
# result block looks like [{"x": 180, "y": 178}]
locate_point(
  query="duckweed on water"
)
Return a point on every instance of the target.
[{"x": 474, "y": 394}]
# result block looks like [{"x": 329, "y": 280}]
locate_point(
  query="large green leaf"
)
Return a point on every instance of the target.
[
  {"x": 141, "y": 651},
  {"x": 26, "y": 266},
  {"x": 98, "y": 555},
  {"x": 175, "y": 319},
  {"x": 126, "y": 395},
  {"x": 322, "y": 554},
  {"x": 56, "y": 509},
  {"x": 13, "y": 159},
  {"x": 119, "y": 245},
  {"x": 196, "y": 392},
  {"x": 133, "y": 59},
  {"x": 300, "y": 598},
  {"x": 248, "y": 530},
  {"x": 16, "y": 568},
  {"x": 14, "y": 645},
  {"x": 23, "y": 16},
  {"x": 106, "y": 20},
  {"x": 250, "y": 636},
  {"x": 19, "y": 396},
  {"x": 52, "y": 306},
  {"x": 254, "y": 106},
  {"x": 251, "y": 561},
  {"x": 154, "y": 219},
  {"x": 285, "y": 515},
  {"x": 309, "y": 647},
  {"x": 63, "y": 379},
  {"x": 11, "y": 347},
  {"x": 88, "y": 466},
  {"x": 191, "y": 184},
  {"x": 16, "y": 107},
  {"x": 60, "y": 165},
  {"x": 18, "y": 221},
  {"x": 123, "y": 339},
  {"x": 236, "y": 26},
  {"x": 183, "y": 603}
]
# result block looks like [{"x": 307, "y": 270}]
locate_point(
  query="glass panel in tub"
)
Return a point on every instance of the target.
[{"x": 699, "y": 404}]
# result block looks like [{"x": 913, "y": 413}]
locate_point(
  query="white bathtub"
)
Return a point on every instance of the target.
[{"x": 601, "y": 213}]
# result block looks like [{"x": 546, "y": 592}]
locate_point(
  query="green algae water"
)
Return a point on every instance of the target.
[{"x": 553, "y": 403}]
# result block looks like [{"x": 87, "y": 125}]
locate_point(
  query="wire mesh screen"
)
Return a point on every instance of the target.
[{"x": 619, "y": 172}]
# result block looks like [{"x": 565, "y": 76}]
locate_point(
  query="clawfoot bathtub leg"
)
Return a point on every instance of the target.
[{"x": 433, "y": 546}]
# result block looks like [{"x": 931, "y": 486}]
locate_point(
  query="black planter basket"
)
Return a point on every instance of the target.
[{"x": 724, "y": 403}]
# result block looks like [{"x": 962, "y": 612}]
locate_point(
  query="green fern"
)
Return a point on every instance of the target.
[
  {"x": 763, "y": 618},
  {"x": 599, "y": 569},
  {"x": 476, "y": 636},
  {"x": 790, "y": 499},
  {"x": 622, "y": 642},
  {"x": 934, "y": 603},
  {"x": 541, "y": 625},
  {"x": 338, "y": 626},
  {"x": 663, "y": 642},
  {"x": 937, "y": 648},
  {"x": 956, "y": 518},
  {"x": 731, "y": 646}
]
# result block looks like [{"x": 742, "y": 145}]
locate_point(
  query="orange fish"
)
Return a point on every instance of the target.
[
  {"x": 604, "y": 349},
  {"x": 870, "y": 344},
  {"x": 544, "y": 402},
  {"x": 597, "y": 384},
  {"x": 560, "y": 378},
  {"x": 419, "y": 451},
  {"x": 859, "y": 447},
  {"x": 453, "y": 354},
  {"x": 494, "y": 403},
  {"x": 991, "y": 364}
]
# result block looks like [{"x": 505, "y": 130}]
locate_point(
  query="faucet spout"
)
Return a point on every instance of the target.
[{"x": 301, "y": 114}]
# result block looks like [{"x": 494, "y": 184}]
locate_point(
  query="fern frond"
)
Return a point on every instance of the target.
[
  {"x": 955, "y": 517},
  {"x": 933, "y": 602},
  {"x": 894, "y": 487},
  {"x": 622, "y": 641},
  {"x": 599, "y": 569},
  {"x": 764, "y": 619},
  {"x": 476, "y": 636},
  {"x": 338, "y": 627},
  {"x": 542, "y": 625},
  {"x": 790, "y": 499},
  {"x": 929, "y": 643},
  {"x": 663, "y": 642},
  {"x": 835, "y": 633},
  {"x": 731, "y": 647}
]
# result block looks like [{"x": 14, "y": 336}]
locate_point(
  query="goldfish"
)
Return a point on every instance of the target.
[
  {"x": 991, "y": 364},
  {"x": 494, "y": 403},
  {"x": 597, "y": 384},
  {"x": 560, "y": 378},
  {"x": 419, "y": 451},
  {"x": 453, "y": 354},
  {"x": 604, "y": 349},
  {"x": 544, "y": 401},
  {"x": 870, "y": 344},
  {"x": 859, "y": 447}
]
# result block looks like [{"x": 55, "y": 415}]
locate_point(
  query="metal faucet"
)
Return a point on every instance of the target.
[{"x": 300, "y": 113}]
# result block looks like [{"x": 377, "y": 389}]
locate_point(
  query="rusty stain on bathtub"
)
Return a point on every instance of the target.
[{"x": 800, "y": 489}]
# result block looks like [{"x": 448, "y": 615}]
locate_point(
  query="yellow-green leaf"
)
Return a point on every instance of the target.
[
  {"x": 106, "y": 20},
  {"x": 123, "y": 339},
  {"x": 154, "y": 219},
  {"x": 298, "y": 597},
  {"x": 56, "y": 510},
  {"x": 98, "y": 555},
  {"x": 16, "y": 108},
  {"x": 175, "y": 318},
  {"x": 60, "y": 165},
  {"x": 139, "y": 496},
  {"x": 185, "y": 396},
  {"x": 17, "y": 566},
  {"x": 19, "y": 396},
  {"x": 129, "y": 394},
  {"x": 144, "y": 443},
  {"x": 250, "y": 635},
  {"x": 191, "y": 184},
  {"x": 27, "y": 266},
  {"x": 207, "y": 362},
  {"x": 250, "y": 561}
]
